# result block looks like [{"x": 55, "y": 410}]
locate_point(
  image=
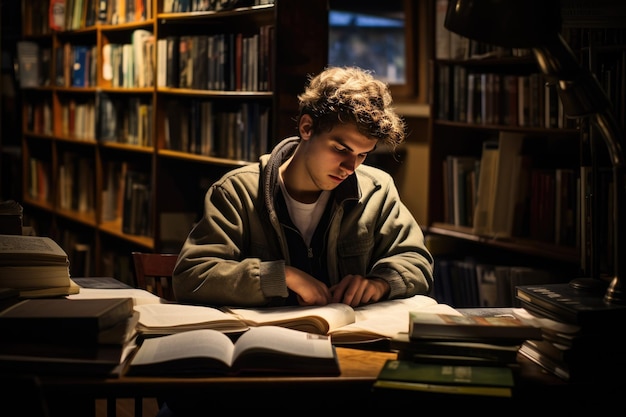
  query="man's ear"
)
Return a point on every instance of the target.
[{"x": 305, "y": 127}]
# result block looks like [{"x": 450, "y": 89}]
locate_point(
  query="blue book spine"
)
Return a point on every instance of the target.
[{"x": 79, "y": 70}]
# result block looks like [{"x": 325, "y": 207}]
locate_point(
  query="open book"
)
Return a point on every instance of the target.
[
  {"x": 260, "y": 350},
  {"x": 343, "y": 323},
  {"x": 163, "y": 319},
  {"x": 138, "y": 295},
  {"x": 312, "y": 319},
  {"x": 35, "y": 265},
  {"x": 384, "y": 320}
]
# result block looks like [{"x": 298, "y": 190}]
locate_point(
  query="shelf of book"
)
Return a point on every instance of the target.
[
  {"x": 491, "y": 104},
  {"x": 92, "y": 118}
]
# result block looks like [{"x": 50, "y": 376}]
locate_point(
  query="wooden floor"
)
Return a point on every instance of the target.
[{"x": 125, "y": 407}]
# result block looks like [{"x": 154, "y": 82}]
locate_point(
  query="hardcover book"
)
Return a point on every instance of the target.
[
  {"x": 52, "y": 359},
  {"x": 576, "y": 367},
  {"x": 260, "y": 350},
  {"x": 562, "y": 302},
  {"x": 34, "y": 265},
  {"x": 467, "y": 352},
  {"x": 60, "y": 320},
  {"x": 79, "y": 67},
  {"x": 29, "y": 64},
  {"x": 495, "y": 381},
  {"x": 428, "y": 326}
]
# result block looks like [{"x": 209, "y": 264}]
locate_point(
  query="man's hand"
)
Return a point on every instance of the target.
[
  {"x": 356, "y": 290},
  {"x": 310, "y": 291}
]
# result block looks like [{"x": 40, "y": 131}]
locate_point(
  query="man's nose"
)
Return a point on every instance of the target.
[{"x": 349, "y": 164}]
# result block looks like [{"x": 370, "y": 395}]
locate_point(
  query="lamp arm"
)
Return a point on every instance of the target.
[{"x": 582, "y": 96}]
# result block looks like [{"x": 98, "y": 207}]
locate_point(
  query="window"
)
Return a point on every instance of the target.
[{"x": 376, "y": 35}]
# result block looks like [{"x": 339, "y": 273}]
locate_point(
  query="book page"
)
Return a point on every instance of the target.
[
  {"x": 37, "y": 250},
  {"x": 393, "y": 307},
  {"x": 386, "y": 319},
  {"x": 45, "y": 292},
  {"x": 312, "y": 319},
  {"x": 185, "y": 317},
  {"x": 201, "y": 343},
  {"x": 29, "y": 277},
  {"x": 138, "y": 295},
  {"x": 283, "y": 340}
]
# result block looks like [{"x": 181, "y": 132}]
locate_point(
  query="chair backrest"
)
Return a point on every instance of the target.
[{"x": 153, "y": 272}]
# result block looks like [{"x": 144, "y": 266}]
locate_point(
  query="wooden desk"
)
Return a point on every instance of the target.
[
  {"x": 350, "y": 392},
  {"x": 359, "y": 369}
]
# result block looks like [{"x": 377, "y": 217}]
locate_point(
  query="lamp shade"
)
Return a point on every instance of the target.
[{"x": 506, "y": 23}]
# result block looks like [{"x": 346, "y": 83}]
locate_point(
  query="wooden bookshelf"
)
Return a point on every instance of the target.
[
  {"x": 89, "y": 125},
  {"x": 481, "y": 93}
]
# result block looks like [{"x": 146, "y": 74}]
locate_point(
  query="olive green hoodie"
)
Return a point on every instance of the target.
[{"x": 236, "y": 254}]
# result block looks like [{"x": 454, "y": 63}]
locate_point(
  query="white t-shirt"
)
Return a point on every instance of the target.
[{"x": 305, "y": 216}]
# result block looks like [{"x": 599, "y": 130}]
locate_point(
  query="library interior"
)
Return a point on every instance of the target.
[{"x": 118, "y": 116}]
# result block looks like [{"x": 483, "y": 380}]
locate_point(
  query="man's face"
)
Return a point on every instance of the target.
[{"x": 332, "y": 156}]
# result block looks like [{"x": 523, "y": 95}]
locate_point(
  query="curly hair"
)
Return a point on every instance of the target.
[{"x": 352, "y": 95}]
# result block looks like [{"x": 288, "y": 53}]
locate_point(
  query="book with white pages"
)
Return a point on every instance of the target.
[
  {"x": 374, "y": 322},
  {"x": 384, "y": 320},
  {"x": 311, "y": 319},
  {"x": 169, "y": 318},
  {"x": 260, "y": 350},
  {"x": 343, "y": 323},
  {"x": 139, "y": 296}
]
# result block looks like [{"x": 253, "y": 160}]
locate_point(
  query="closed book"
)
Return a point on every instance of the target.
[
  {"x": 101, "y": 282},
  {"x": 559, "y": 352},
  {"x": 120, "y": 333},
  {"x": 79, "y": 67},
  {"x": 61, "y": 319},
  {"x": 485, "y": 353},
  {"x": 495, "y": 381},
  {"x": 172, "y": 72},
  {"x": 28, "y": 63},
  {"x": 557, "y": 368},
  {"x": 565, "y": 303},
  {"x": 432, "y": 326},
  {"x": 97, "y": 360}
]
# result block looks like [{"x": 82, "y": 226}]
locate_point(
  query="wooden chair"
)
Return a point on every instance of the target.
[{"x": 153, "y": 272}]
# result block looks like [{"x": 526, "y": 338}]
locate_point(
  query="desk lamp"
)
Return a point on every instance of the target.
[{"x": 536, "y": 24}]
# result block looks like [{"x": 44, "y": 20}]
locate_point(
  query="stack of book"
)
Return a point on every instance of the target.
[
  {"x": 58, "y": 335},
  {"x": 433, "y": 378},
  {"x": 36, "y": 266},
  {"x": 472, "y": 337},
  {"x": 581, "y": 333},
  {"x": 457, "y": 353}
]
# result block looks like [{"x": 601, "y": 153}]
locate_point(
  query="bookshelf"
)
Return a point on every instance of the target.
[
  {"x": 556, "y": 197},
  {"x": 127, "y": 127}
]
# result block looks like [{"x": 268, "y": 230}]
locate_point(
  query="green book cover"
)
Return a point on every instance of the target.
[{"x": 444, "y": 374}]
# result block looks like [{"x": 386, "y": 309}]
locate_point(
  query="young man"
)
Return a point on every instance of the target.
[{"x": 310, "y": 224}]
